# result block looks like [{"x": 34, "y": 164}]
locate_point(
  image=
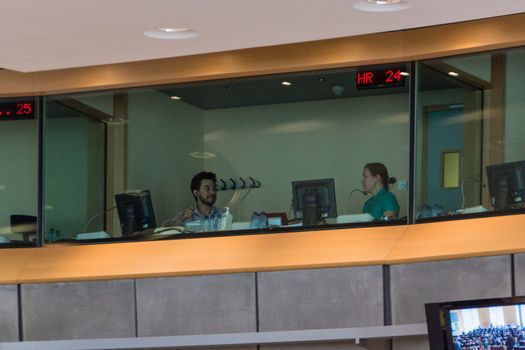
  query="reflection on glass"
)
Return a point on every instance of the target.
[
  {"x": 477, "y": 112},
  {"x": 507, "y": 185}
]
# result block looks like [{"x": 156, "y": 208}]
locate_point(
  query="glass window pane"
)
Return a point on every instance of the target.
[
  {"x": 74, "y": 165},
  {"x": 259, "y": 136},
  {"x": 19, "y": 175},
  {"x": 286, "y": 151},
  {"x": 472, "y": 104}
]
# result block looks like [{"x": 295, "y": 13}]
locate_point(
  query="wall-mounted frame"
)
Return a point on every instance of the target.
[{"x": 450, "y": 169}]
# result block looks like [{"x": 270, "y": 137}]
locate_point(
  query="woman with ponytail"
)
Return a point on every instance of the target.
[{"x": 376, "y": 181}]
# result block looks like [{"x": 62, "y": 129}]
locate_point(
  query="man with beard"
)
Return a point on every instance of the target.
[{"x": 204, "y": 189}]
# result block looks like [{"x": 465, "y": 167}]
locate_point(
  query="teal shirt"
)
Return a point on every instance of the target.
[{"x": 382, "y": 201}]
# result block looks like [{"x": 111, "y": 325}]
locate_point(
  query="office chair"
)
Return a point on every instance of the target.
[{"x": 24, "y": 224}]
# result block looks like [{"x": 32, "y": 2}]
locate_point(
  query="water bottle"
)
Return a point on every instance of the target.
[
  {"x": 259, "y": 220},
  {"x": 226, "y": 220},
  {"x": 437, "y": 210},
  {"x": 425, "y": 212},
  {"x": 51, "y": 235},
  {"x": 263, "y": 220},
  {"x": 254, "y": 223}
]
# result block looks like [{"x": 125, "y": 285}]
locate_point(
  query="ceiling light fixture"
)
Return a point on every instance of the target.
[
  {"x": 381, "y": 5},
  {"x": 453, "y": 74},
  {"x": 286, "y": 83},
  {"x": 173, "y": 30},
  {"x": 167, "y": 33},
  {"x": 405, "y": 74},
  {"x": 176, "y": 98}
]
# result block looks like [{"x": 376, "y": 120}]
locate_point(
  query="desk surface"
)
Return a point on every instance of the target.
[{"x": 384, "y": 245}]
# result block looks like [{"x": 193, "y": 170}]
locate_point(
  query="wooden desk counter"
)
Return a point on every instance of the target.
[
  {"x": 460, "y": 239},
  {"x": 12, "y": 262},
  {"x": 266, "y": 252},
  {"x": 263, "y": 252}
]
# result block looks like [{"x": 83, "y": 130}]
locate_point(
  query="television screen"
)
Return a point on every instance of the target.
[
  {"x": 488, "y": 327},
  {"x": 490, "y": 324}
]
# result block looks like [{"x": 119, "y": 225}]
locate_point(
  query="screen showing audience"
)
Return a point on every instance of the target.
[{"x": 489, "y": 328}]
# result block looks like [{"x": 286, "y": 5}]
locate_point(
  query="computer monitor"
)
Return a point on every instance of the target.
[
  {"x": 506, "y": 184},
  {"x": 135, "y": 212},
  {"x": 314, "y": 199},
  {"x": 463, "y": 325}
]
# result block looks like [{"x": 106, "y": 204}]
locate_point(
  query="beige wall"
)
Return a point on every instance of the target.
[
  {"x": 161, "y": 135},
  {"x": 278, "y": 144}
]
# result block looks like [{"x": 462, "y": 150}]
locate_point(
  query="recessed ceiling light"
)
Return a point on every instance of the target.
[
  {"x": 176, "y": 98},
  {"x": 381, "y": 5},
  {"x": 173, "y": 30},
  {"x": 286, "y": 83},
  {"x": 171, "y": 33},
  {"x": 453, "y": 74}
]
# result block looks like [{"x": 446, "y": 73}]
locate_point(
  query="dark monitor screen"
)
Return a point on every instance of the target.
[
  {"x": 477, "y": 324},
  {"x": 506, "y": 184},
  {"x": 135, "y": 212},
  {"x": 321, "y": 191}
]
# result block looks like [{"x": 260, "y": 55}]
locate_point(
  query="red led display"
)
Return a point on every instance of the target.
[
  {"x": 17, "y": 109},
  {"x": 379, "y": 78}
]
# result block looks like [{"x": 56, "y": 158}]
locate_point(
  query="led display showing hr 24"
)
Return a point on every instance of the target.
[{"x": 379, "y": 78}]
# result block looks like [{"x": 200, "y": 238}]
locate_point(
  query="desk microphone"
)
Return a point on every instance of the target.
[
  {"x": 356, "y": 190},
  {"x": 350, "y": 196},
  {"x": 463, "y": 188},
  {"x": 97, "y": 215}
]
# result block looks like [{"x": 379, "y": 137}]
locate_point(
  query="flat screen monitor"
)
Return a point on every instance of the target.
[
  {"x": 506, "y": 184},
  {"x": 318, "y": 193},
  {"x": 135, "y": 212},
  {"x": 477, "y": 324}
]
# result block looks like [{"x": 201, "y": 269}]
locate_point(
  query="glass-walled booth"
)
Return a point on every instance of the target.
[
  {"x": 287, "y": 151},
  {"x": 325, "y": 149}
]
